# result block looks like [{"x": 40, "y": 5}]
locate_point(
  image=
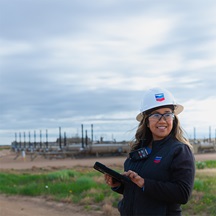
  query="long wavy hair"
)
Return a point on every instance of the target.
[{"x": 143, "y": 133}]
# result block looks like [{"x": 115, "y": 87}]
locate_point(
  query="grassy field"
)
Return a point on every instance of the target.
[{"x": 86, "y": 187}]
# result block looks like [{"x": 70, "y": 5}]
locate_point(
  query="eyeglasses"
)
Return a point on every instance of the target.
[{"x": 158, "y": 116}]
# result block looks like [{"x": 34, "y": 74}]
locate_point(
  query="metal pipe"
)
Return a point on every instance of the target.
[
  {"x": 46, "y": 138},
  {"x": 65, "y": 139},
  {"x": 35, "y": 139},
  {"x": 86, "y": 138},
  {"x": 60, "y": 146},
  {"x": 82, "y": 136},
  {"x": 20, "y": 139},
  {"x": 29, "y": 138},
  {"x": 40, "y": 139},
  {"x": 91, "y": 133}
]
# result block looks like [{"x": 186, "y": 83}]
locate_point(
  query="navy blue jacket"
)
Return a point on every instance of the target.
[{"x": 169, "y": 176}]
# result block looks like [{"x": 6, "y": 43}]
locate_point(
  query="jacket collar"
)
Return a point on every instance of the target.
[{"x": 156, "y": 144}]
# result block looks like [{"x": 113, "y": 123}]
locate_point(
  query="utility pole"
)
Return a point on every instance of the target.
[
  {"x": 65, "y": 139},
  {"x": 82, "y": 136},
  {"x": 92, "y": 133},
  {"x": 24, "y": 139},
  {"x": 86, "y": 138},
  {"x": 15, "y": 140},
  {"x": 40, "y": 139},
  {"x": 15, "y": 137},
  {"x": 20, "y": 139},
  {"x": 30, "y": 139},
  {"x": 46, "y": 138},
  {"x": 60, "y": 146},
  {"x": 35, "y": 139}
]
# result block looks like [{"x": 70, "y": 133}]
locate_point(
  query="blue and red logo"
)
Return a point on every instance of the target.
[
  {"x": 157, "y": 159},
  {"x": 159, "y": 97}
]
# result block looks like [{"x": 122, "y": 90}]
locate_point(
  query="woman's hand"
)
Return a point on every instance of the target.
[
  {"x": 110, "y": 181},
  {"x": 134, "y": 177}
]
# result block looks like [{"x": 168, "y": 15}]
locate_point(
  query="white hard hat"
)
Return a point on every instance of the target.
[{"x": 157, "y": 97}]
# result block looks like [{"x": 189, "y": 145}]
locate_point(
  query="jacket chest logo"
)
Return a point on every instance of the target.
[{"x": 157, "y": 159}]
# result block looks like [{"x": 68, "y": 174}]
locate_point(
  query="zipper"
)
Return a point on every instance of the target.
[{"x": 137, "y": 167}]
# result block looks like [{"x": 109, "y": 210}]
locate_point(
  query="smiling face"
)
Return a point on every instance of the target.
[{"x": 160, "y": 123}]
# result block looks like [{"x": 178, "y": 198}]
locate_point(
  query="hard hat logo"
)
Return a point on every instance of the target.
[{"x": 159, "y": 97}]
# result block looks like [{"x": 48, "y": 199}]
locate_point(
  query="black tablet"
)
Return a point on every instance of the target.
[{"x": 104, "y": 169}]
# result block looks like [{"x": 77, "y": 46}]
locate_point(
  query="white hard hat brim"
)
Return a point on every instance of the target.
[{"x": 178, "y": 109}]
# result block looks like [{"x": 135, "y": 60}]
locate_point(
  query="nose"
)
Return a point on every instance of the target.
[{"x": 162, "y": 117}]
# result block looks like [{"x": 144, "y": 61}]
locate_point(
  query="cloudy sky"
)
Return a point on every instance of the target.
[{"x": 66, "y": 63}]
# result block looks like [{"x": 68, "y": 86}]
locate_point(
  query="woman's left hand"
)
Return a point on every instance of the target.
[
  {"x": 110, "y": 181},
  {"x": 134, "y": 177}
]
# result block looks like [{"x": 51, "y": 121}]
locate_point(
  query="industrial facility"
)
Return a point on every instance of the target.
[
  {"x": 84, "y": 146},
  {"x": 67, "y": 147}
]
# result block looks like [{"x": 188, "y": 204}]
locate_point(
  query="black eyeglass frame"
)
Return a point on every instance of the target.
[{"x": 162, "y": 115}]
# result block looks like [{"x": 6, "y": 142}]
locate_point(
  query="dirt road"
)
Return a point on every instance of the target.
[
  {"x": 25, "y": 206},
  {"x": 8, "y": 161}
]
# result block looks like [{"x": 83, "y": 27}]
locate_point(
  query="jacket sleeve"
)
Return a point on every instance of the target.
[
  {"x": 119, "y": 189},
  {"x": 180, "y": 185}
]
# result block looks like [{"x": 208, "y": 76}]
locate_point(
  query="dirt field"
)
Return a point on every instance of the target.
[{"x": 23, "y": 206}]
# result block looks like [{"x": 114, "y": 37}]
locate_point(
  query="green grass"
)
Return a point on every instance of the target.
[
  {"x": 203, "y": 197},
  {"x": 206, "y": 164},
  {"x": 86, "y": 187},
  {"x": 69, "y": 185},
  {"x": 210, "y": 163}
]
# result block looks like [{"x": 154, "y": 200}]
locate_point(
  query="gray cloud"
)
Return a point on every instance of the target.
[{"x": 63, "y": 63}]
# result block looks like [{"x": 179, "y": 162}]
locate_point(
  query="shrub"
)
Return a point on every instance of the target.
[{"x": 200, "y": 165}]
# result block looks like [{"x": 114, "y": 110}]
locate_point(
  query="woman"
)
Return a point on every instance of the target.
[{"x": 160, "y": 164}]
